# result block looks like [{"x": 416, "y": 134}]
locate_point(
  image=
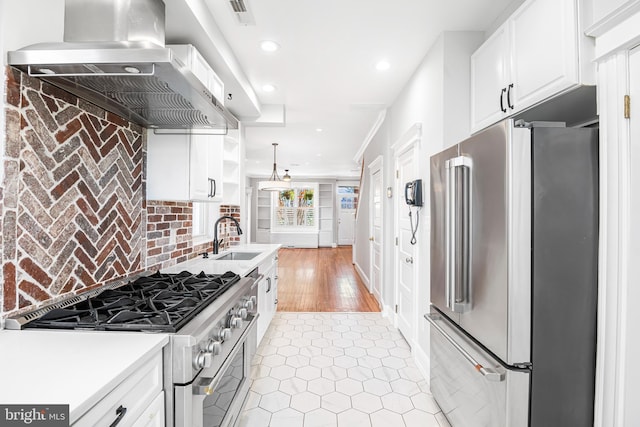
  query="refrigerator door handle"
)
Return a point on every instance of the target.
[
  {"x": 488, "y": 373},
  {"x": 458, "y": 209}
]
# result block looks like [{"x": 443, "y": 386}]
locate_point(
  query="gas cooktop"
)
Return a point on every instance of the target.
[{"x": 159, "y": 302}]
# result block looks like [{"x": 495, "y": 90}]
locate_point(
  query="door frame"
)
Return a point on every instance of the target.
[
  {"x": 338, "y": 210},
  {"x": 374, "y": 167},
  {"x": 616, "y": 36},
  {"x": 411, "y": 140}
]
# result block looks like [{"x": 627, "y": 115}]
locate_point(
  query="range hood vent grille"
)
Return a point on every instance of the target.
[{"x": 148, "y": 100}]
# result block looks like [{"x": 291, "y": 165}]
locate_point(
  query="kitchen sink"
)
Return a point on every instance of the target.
[{"x": 237, "y": 256}]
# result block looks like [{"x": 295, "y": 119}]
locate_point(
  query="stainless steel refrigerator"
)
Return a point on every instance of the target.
[{"x": 514, "y": 254}]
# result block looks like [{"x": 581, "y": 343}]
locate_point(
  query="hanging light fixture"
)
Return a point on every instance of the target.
[
  {"x": 274, "y": 183},
  {"x": 286, "y": 176}
]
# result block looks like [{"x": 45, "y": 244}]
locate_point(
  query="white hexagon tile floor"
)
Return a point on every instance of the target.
[{"x": 335, "y": 370}]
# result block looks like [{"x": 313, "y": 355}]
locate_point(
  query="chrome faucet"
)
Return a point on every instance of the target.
[{"x": 216, "y": 243}]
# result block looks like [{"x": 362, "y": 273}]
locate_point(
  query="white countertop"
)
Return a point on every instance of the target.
[
  {"x": 77, "y": 368},
  {"x": 212, "y": 266}
]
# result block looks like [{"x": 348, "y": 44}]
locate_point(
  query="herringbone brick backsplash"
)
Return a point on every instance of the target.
[{"x": 73, "y": 215}]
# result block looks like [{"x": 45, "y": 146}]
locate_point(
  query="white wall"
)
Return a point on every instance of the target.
[
  {"x": 436, "y": 96},
  {"x": 377, "y": 147}
]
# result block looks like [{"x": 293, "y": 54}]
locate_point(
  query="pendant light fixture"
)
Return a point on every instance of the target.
[
  {"x": 274, "y": 183},
  {"x": 286, "y": 176}
]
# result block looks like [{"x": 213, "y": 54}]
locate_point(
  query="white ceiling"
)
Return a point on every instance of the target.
[{"x": 325, "y": 74}]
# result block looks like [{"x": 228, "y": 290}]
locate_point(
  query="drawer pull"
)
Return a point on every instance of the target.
[
  {"x": 488, "y": 373},
  {"x": 121, "y": 411}
]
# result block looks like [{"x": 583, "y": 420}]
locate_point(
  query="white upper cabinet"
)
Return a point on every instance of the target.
[
  {"x": 544, "y": 58},
  {"x": 184, "y": 167},
  {"x": 537, "y": 53},
  {"x": 187, "y": 167},
  {"x": 196, "y": 63},
  {"x": 489, "y": 77}
]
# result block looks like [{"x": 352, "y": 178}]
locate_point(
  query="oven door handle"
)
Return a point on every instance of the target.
[{"x": 206, "y": 386}]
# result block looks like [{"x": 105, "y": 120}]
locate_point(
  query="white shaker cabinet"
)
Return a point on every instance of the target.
[
  {"x": 138, "y": 400},
  {"x": 184, "y": 167},
  {"x": 538, "y": 52},
  {"x": 490, "y": 78},
  {"x": 267, "y": 293}
]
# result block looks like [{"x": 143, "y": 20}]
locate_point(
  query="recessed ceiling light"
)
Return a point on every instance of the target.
[
  {"x": 269, "y": 46},
  {"x": 318, "y": 129},
  {"x": 383, "y": 66},
  {"x": 268, "y": 88}
]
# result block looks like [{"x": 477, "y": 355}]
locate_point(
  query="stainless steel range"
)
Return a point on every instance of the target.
[{"x": 211, "y": 320}]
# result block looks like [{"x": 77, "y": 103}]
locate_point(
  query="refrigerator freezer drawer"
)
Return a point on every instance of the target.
[{"x": 471, "y": 387}]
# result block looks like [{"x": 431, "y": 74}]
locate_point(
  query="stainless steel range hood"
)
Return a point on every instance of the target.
[{"x": 114, "y": 56}]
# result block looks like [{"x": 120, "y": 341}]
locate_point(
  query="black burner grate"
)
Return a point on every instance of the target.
[{"x": 158, "y": 302}]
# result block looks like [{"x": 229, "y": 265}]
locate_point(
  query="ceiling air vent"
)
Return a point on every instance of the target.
[
  {"x": 242, "y": 12},
  {"x": 238, "y": 6}
]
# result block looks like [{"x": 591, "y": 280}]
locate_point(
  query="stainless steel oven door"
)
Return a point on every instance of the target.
[{"x": 217, "y": 401}]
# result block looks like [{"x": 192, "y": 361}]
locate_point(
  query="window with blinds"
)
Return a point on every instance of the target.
[{"x": 295, "y": 208}]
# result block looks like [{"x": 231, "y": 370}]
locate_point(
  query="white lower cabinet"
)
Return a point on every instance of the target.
[
  {"x": 137, "y": 397},
  {"x": 267, "y": 294},
  {"x": 153, "y": 416}
]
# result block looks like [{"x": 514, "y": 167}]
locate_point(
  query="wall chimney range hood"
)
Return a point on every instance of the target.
[{"x": 113, "y": 56}]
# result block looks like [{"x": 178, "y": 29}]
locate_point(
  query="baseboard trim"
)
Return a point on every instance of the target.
[
  {"x": 387, "y": 311},
  {"x": 362, "y": 274}
]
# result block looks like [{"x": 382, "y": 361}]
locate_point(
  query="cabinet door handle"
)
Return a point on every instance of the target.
[
  {"x": 121, "y": 411},
  {"x": 212, "y": 187},
  {"x": 502, "y": 92},
  {"x": 268, "y": 285},
  {"x": 509, "y": 96}
]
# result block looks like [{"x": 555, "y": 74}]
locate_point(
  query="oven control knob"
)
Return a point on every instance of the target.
[
  {"x": 248, "y": 305},
  {"x": 223, "y": 334},
  {"x": 202, "y": 360},
  {"x": 242, "y": 313},
  {"x": 236, "y": 322},
  {"x": 214, "y": 347}
]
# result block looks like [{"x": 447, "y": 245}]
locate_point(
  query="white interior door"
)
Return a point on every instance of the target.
[
  {"x": 375, "y": 233},
  {"x": 406, "y": 252},
  {"x": 347, "y": 202}
]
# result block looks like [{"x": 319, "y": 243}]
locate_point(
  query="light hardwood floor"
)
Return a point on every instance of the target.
[{"x": 321, "y": 279}]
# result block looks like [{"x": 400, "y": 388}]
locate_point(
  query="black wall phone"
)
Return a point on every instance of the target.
[{"x": 413, "y": 193}]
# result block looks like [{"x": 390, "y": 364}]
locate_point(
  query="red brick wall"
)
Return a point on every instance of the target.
[
  {"x": 72, "y": 195},
  {"x": 227, "y": 230},
  {"x": 170, "y": 234}
]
